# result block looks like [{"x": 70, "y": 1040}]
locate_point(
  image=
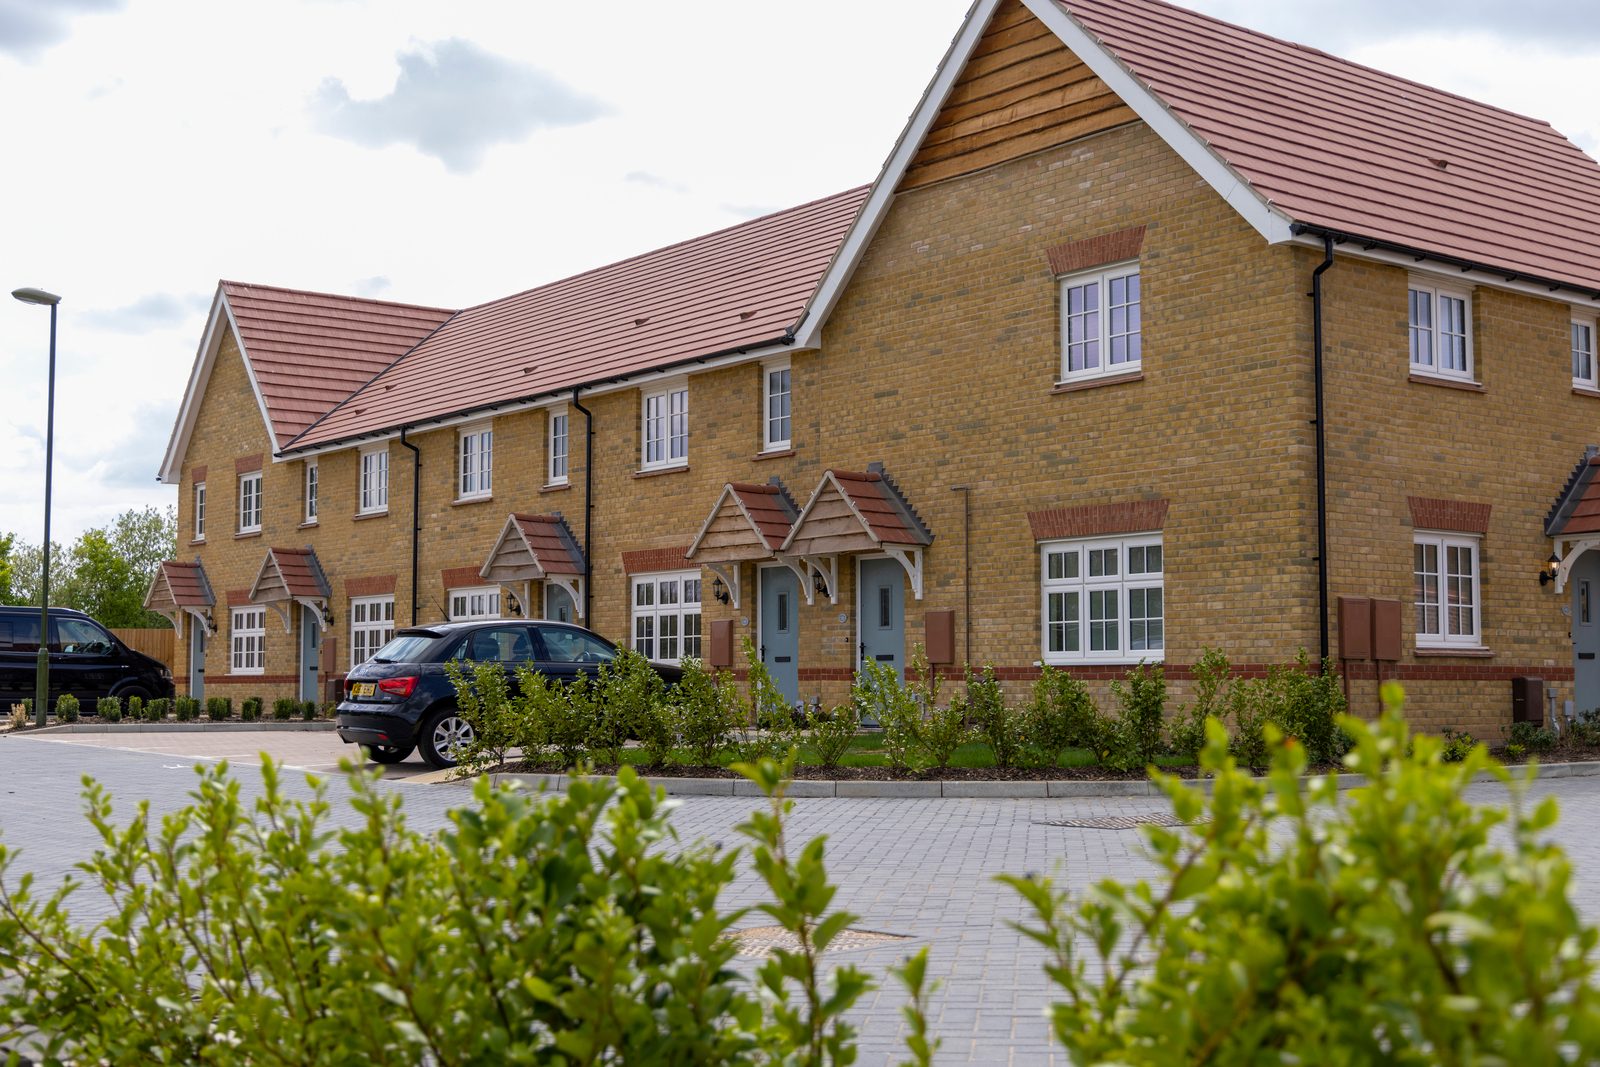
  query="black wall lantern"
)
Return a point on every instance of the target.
[
  {"x": 719, "y": 591},
  {"x": 1551, "y": 568}
]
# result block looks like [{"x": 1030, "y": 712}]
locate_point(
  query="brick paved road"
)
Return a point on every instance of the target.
[{"x": 921, "y": 868}]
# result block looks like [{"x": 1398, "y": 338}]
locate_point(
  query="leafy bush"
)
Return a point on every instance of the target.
[
  {"x": 185, "y": 709},
  {"x": 1136, "y": 733},
  {"x": 1457, "y": 745},
  {"x": 621, "y": 690},
  {"x": 1308, "y": 706},
  {"x": 1533, "y": 737},
  {"x": 328, "y": 709},
  {"x": 250, "y": 709},
  {"x": 1584, "y": 728},
  {"x": 308, "y": 711},
  {"x": 1248, "y": 712},
  {"x": 20, "y": 716},
  {"x": 1187, "y": 731},
  {"x": 706, "y": 712},
  {"x": 943, "y": 731},
  {"x": 656, "y": 727},
  {"x": 1062, "y": 715},
  {"x": 219, "y": 708},
  {"x": 66, "y": 708},
  {"x": 1515, "y": 752},
  {"x": 832, "y": 732},
  {"x": 540, "y": 713},
  {"x": 283, "y": 708},
  {"x": 775, "y": 731},
  {"x": 136, "y": 708},
  {"x": 879, "y": 694},
  {"x": 157, "y": 709},
  {"x": 1264, "y": 940},
  {"x": 109, "y": 709},
  {"x": 484, "y": 699},
  {"x": 1001, "y": 728}
]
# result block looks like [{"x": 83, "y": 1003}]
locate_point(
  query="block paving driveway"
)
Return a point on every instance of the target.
[{"x": 918, "y": 868}]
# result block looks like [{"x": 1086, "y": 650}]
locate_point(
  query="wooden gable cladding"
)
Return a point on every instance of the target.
[
  {"x": 289, "y": 574},
  {"x": 854, "y": 512},
  {"x": 747, "y": 523},
  {"x": 531, "y": 547},
  {"x": 1022, "y": 91}
]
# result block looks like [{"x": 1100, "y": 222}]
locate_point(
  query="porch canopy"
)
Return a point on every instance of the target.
[
  {"x": 1574, "y": 522},
  {"x": 181, "y": 589},
  {"x": 292, "y": 576},
  {"x": 536, "y": 548},
  {"x": 748, "y": 524},
  {"x": 851, "y": 513}
]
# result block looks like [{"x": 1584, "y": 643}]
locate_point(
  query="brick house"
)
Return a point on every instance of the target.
[{"x": 1051, "y": 389}]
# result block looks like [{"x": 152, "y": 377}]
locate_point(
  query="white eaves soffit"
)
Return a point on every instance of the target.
[
  {"x": 205, "y": 359},
  {"x": 1272, "y": 224}
]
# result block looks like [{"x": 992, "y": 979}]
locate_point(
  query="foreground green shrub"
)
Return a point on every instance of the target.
[
  {"x": 1306, "y": 705},
  {"x": 773, "y": 730},
  {"x": 879, "y": 695},
  {"x": 219, "y": 709},
  {"x": 565, "y": 929},
  {"x": 1000, "y": 726},
  {"x": 483, "y": 696},
  {"x": 156, "y": 710},
  {"x": 283, "y": 708},
  {"x": 706, "y": 712},
  {"x": 66, "y": 708},
  {"x": 832, "y": 732},
  {"x": 1187, "y": 731},
  {"x": 1141, "y": 717},
  {"x": 136, "y": 708},
  {"x": 250, "y": 709},
  {"x": 185, "y": 709},
  {"x": 1288, "y": 925},
  {"x": 1062, "y": 715},
  {"x": 624, "y": 690},
  {"x": 109, "y": 709}
]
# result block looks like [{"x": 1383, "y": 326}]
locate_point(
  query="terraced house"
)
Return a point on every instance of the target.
[{"x": 1152, "y": 334}]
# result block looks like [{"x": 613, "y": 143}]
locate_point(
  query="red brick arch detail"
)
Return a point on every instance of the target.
[
  {"x": 248, "y": 464},
  {"x": 371, "y": 585},
  {"x": 1457, "y": 516},
  {"x": 656, "y": 559},
  {"x": 1096, "y": 251},
  {"x": 1097, "y": 520},
  {"x": 239, "y": 598},
  {"x": 456, "y": 577}
]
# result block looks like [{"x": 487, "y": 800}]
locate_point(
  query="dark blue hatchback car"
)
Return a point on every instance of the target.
[{"x": 401, "y": 700}]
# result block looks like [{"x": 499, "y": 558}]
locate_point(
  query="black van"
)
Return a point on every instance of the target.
[{"x": 86, "y": 660}]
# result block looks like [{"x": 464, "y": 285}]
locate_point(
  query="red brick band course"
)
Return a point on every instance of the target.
[
  {"x": 1096, "y": 520},
  {"x": 373, "y": 585},
  {"x": 1458, "y": 516},
  {"x": 252, "y": 679},
  {"x": 656, "y": 559},
  {"x": 1096, "y": 251}
]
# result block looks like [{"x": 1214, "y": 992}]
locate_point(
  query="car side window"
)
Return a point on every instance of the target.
[
  {"x": 19, "y": 634},
  {"x": 79, "y": 637},
  {"x": 574, "y": 646},
  {"x": 500, "y": 644}
]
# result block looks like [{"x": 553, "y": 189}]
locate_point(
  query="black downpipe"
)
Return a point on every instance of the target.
[
  {"x": 588, "y": 505},
  {"x": 416, "y": 514},
  {"x": 1322, "y": 452}
]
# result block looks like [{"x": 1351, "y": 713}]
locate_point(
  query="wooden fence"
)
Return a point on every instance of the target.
[{"x": 156, "y": 643}]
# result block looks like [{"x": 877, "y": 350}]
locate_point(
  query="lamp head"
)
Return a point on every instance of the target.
[{"x": 36, "y": 296}]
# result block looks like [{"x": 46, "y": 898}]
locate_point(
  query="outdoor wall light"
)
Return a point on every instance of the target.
[
  {"x": 327, "y": 617},
  {"x": 719, "y": 591},
  {"x": 819, "y": 583},
  {"x": 1552, "y": 566}
]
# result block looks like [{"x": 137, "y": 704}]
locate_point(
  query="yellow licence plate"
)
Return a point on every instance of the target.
[{"x": 364, "y": 689}]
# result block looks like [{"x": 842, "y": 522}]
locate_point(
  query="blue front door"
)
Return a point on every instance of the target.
[
  {"x": 780, "y": 629},
  {"x": 1584, "y": 584},
  {"x": 880, "y": 611},
  {"x": 197, "y": 659},
  {"x": 558, "y": 606},
  {"x": 310, "y": 653}
]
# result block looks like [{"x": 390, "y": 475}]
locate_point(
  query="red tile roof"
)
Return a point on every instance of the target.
[
  {"x": 769, "y": 509},
  {"x": 1577, "y": 508},
  {"x": 309, "y": 351},
  {"x": 185, "y": 583},
  {"x": 885, "y": 514},
  {"x": 299, "y": 571},
  {"x": 740, "y": 287},
  {"x": 1341, "y": 146},
  {"x": 549, "y": 542}
]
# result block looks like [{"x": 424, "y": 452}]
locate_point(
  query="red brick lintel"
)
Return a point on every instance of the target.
[
  {"x": 1096, "y": 520},
  {"x": 372, "y": 585},
  {"x": 248, "y": 464},
  {"x": 1096, "y": 251},
  {"x": 656, "y": 559},
  {"x": 1457, "y": 516}
]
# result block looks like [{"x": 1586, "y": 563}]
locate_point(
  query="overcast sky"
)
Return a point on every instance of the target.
[{"x": 451, "y": 153}]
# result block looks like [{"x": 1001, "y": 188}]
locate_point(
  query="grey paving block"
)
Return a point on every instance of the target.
[
  {"x": 1099, "y": 789},
  {"x": 801, "y": 788},
  {"x": 888, "y": 789},
  {"x": 695, "y": 787},
  {"x": 996, "y": 789}
]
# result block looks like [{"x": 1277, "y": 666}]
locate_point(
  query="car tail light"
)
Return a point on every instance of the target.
[{"x": 397, "y": 687}]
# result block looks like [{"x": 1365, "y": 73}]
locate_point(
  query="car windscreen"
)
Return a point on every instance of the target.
[{"x": 407, "y": 648}]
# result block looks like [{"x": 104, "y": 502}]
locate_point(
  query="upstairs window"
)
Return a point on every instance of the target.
[
  {"x": 477, "y": 462},
  {"x": 250, "y": 503},
  {"x": 1100, "y": 323},
  {"x": 374, "y": 481},
  {"x": 311, "y": 490},
  {"x": 1440, "y": 330},
  {"x": 776, "y": 436},
  {"x": 666, "y": 428},
  {"x": 1583, "y": 365},
  {"x": 199, "y": 511},
  {"x": 558, "y": 447}
]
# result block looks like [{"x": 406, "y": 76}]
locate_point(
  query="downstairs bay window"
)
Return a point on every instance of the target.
[{"x": 1103, "y": 600}]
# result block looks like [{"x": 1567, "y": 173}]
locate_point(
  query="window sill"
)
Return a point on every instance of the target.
[
  {"x": 1079, "y": 384},
  {"x": 362, "y": 515},
  {"x": 308, "y": 524},
  {"x": 461, "y": 502},
  {"x": 1446, "y": 383},
  {"x": 682, "y": 468},
  {"x": 1585, "y": 390},
  {"x": 197, "y": 541},
  {"x": 777, "y": 453},
  {"x": 245, "y": 535},
  {"x": 555, "y": 487},
  {"x": 1468, "y": 651},
  {"x": 1097, "y": 664}
]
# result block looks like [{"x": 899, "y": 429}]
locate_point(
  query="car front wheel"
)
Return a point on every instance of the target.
[
  {"x": 444, "y": 735},
  {"x": 390, "y": 753}
]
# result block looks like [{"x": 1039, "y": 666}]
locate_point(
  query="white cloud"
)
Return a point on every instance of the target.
[{"x": 28, "y": 27}]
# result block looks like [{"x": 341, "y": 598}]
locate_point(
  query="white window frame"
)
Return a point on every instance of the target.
[
  {"x": 772, "y": 440},
  {"x": 199, "y": 511},
  {"x": 664, "y": 426},
  {"x": 1590, "y": 333},
  {"x": 1084, "y": 586},
  {"x": 250, "y": 503},
  {"x": 474, "y": 603},
  {"x": 558, "y": 446},
  {"x": 475, "y": 462},
  {"x": 247, "y": 639},
  {"x": 666, "y": 615},
  {"x": 1427, "y": 363},
  {"x": 371, "y": 626},
  {"x": 1448, "y": 635},
  {"x": 373, "y": 490},
  {"x": 1103, "y": 334},
  {"x": 310, "y": 491}
]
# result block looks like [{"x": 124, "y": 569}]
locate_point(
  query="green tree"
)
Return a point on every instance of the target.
[
  {"x": 109, "y": 568},
  {"x": 27, "y": 567},
  {"x": 7, "y": 541}
]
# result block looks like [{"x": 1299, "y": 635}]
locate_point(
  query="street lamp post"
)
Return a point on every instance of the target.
[{"x": 41, "y": 691}]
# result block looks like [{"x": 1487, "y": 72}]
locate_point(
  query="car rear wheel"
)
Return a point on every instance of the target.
[
  {"x": 444, "y": 735},
  {"x": 390, "y": 753}
]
